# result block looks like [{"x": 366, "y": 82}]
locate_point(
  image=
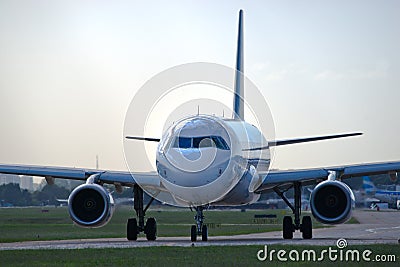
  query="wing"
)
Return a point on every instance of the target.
[
  {"x": 279, "y": 178},
  {"x": 108, "y": 177}
]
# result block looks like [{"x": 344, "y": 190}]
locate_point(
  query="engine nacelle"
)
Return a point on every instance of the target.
[
  {"x": 332, "y": 202},
  {"x": 90, "y": 205}
]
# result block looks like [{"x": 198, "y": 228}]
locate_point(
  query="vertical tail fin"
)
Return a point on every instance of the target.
[
  {"x": 238, "y": 102},
  {"x": 368, "y": 185}
]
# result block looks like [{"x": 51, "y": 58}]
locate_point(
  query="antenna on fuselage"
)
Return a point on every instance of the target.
[
  {"x": 198, "y": 110},
  {"x": 238, "y": 100}
]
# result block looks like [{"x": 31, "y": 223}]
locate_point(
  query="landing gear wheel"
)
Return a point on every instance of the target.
[
  {"x": 132, "y": 229},
  {"x": 306, "y": 227},
  {"x": 151, "y": 229},
  {"x": 204, "y": 233},
  {"x": 193, "y": 233},
  {"x": 287, "y": 227}
]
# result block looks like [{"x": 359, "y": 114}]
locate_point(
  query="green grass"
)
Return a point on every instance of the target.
[
  {"x": 352, "y": 221},
  {"x": 22, "y": 224},
  {"x": 179, "y": 256},
  {"x": 18, "y": 224}
]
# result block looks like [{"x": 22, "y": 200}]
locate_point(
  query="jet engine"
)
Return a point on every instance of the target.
[
  {"x": 332, "y": 202},
  {"x": 90, "y": 205}
]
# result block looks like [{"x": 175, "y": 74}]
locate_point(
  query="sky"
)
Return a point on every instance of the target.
[{"x": 69, "y": 69}]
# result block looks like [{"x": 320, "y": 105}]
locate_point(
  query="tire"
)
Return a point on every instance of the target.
[
  {"x": 132, "y": 229},
  {"x": 151, "y": 229},
  {"x": 193, "y": 233},
  {"x": 287, "y": 227},
  {"x": 306, "y": 227},
  {"x": 204, "y": 233}
]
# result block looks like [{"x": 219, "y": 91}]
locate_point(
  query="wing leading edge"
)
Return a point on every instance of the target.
[
  {"x": 108, "y": 177},
  {"x": 279, "y": 178}
]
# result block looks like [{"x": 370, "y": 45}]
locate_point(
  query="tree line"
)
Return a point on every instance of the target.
[{"x": 13, "y": 195}]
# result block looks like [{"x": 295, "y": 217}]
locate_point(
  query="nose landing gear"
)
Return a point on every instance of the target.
[{"x": 200, "y": 229}]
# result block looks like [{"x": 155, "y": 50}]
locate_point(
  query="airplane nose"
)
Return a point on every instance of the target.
[
  {"x": 191, "y": 155},
  {"x": 191, "y": 160},
  {"x": 199, "y": 160},
  {"x": 184, "y": 178},
  {"x": 195, "y": 143}
]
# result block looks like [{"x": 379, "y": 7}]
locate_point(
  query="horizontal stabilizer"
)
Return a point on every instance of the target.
[
  {"x": 302, "y": 140},
  {"x": 143, "y": 138}
]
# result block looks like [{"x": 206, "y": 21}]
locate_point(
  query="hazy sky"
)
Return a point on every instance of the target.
[{"x": 69, "y": 69}]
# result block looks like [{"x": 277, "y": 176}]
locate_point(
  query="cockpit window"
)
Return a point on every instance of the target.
[
  {"x": 183, "y": 142},
  {"x": 200, "y": 142},
  {"x": 204, "y": 141},
  {"x": 220, "y": 142}
]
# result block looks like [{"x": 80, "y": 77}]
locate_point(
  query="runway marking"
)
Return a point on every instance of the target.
[{"x": 376, "y": 230}]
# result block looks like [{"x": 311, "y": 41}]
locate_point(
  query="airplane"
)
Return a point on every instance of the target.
[
  {"x": 392, "y": 197},
  {"x": 238, "y": 176}
]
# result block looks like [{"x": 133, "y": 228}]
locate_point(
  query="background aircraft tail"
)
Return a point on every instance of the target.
[{"x": 368, "y": 185}]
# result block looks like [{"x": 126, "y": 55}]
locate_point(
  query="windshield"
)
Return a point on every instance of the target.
[{"x": 200, "y": 142}]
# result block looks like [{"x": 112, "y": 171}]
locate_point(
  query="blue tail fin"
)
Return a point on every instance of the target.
[
  {"x": 368, "y": 185},
  {"x": 238, "y": 102}
]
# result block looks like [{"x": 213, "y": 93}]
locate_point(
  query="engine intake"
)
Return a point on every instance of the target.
[
  {"x": 90, "y": 205},
  {"x": 332, "y": 202}
]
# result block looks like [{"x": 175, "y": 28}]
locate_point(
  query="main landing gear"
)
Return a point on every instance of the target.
[
  {"x": 288, "y": 226},
  {"x": 200, "y": 229},
  {"x": 136, "y": 226}
]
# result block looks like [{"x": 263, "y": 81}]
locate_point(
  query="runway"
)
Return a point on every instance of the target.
[{"x": 374, "y": 228}]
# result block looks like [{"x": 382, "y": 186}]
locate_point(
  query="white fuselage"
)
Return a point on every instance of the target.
[
  {"x": 204, "y": 159},
  {"x": 388, "y": 196}
]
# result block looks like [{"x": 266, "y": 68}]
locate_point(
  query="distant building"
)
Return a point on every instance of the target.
[
  {"x": 9, "y": 179},
  {"x": 24, "y": 182}
]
